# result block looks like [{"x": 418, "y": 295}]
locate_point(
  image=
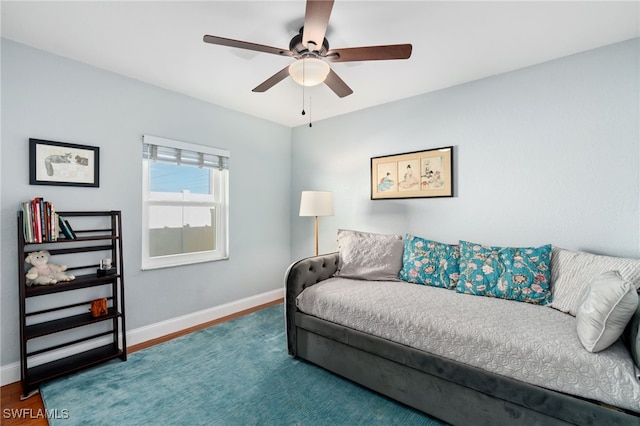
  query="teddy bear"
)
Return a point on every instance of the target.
[{"x": 43, "y": 272}]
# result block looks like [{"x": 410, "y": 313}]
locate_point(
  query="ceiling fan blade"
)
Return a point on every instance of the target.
[
  {"x": 246, "y": 45},
  {"x": 336, "y": 84},
  {"x": 370, "y": 53},
  {"x": 273, "y": 80},
  {"x": 316, "y": 19}
]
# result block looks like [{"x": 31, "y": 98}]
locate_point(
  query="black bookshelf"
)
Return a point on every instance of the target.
[{"x": 88, "y": 343}]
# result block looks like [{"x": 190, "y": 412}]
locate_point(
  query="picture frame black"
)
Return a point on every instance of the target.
[
  {"x": 63, "y": 164},
  {"x": 418, "y": 174}
]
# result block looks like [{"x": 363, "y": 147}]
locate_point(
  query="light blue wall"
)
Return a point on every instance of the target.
[
  {"x": 550, "y": 153},
  {"x": 49, "y": 97},
  {"x": 545, "y": 154}
]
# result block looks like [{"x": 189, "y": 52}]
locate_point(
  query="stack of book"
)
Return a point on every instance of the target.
[{"x": 41, "y": 223}]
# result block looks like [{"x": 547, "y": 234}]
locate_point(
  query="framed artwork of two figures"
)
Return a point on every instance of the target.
[{"x": 420, "y": 174}]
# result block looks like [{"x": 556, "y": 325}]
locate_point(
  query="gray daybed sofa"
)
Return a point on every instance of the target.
[{"x": 450, "y": 390}]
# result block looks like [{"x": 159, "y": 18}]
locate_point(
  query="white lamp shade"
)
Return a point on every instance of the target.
[
  {"x": 316, "y": 203},
  {"x": 309, "y": 71}
]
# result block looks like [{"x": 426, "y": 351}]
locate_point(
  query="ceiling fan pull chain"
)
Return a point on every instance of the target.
[
  {"x": 310, "y": 111},
  {"x": 303, "y": 113}
]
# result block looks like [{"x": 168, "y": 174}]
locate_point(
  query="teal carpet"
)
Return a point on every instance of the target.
[{"x": 234, "y": 373}]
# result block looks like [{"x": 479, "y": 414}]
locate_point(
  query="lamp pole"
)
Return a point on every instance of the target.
[{"x": 316, "y": 235}]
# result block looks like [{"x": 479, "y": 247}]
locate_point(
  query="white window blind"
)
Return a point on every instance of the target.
[{"x": 180, "y": 156}]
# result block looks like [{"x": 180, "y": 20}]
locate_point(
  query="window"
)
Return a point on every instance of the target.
[{"x": 185, "y": 203}]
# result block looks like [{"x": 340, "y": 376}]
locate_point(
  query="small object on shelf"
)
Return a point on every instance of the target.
[
  {"x": 99, "y": 307},
  {"x": 106, "y": 268},
  {"x": 44, "y": 273},
  {"x": 104, "y": 272}
]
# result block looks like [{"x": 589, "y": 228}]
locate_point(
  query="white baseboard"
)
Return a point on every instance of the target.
[
  {"x": 163, "y": 328},
  {"x": 11, "y": 373}
]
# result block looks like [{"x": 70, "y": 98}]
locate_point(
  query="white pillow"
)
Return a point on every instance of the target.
[
  {"x": 608, "y": 305},
  {"x": 571, "y": 273},
  {"x": 368, "y": 256}
]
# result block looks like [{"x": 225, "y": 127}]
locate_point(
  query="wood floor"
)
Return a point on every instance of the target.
[{"x": 31, "y": 411}]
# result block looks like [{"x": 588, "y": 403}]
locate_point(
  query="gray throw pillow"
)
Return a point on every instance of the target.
[
  {"x": 606, "y": 309},
  {"x": 369, "y": 256},
  {"x": 571, "y": 273}
]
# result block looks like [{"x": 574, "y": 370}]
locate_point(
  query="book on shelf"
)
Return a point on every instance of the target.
[
  {"x": 65, "y": 228},
  {"x": 41, "y": 223}
]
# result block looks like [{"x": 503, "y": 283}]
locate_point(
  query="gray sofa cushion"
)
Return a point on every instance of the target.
[{"x": 368, "y": 256}]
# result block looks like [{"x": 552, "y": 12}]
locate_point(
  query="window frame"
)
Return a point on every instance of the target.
[{"x": 219, "y": 179}]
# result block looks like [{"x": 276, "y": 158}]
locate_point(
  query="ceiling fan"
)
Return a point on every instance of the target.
[{"x": 310, "y": 49}]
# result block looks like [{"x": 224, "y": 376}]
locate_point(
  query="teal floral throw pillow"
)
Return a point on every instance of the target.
[
  {"x": 521, "y": 274},
  {"x": 430, "y": 262}
]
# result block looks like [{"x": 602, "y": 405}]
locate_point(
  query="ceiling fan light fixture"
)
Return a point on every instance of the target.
[{"x": 309, "y": 71}]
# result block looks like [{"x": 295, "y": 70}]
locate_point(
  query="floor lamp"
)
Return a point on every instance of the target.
[{"x": 316, "y": 203}]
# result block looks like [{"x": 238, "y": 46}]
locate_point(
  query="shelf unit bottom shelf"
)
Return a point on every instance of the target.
[{"x": 71, "y": 364}]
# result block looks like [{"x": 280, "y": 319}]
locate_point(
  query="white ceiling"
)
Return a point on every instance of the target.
[{"x": 160, "y": 42}]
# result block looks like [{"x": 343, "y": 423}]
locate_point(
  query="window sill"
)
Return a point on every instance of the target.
[{"x": 173, "y": 265}]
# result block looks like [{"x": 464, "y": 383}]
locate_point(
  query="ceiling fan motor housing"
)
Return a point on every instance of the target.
[{"x": 301, "y": 51}]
